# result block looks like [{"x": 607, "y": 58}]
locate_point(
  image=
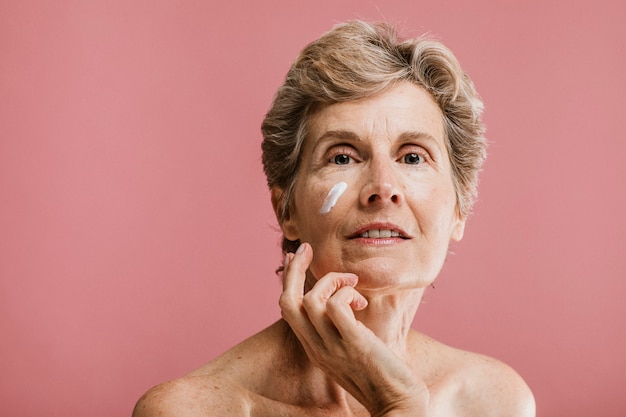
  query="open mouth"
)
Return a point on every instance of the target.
[{"x": 381, "y": 233}]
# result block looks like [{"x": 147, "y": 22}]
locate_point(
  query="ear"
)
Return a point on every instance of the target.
[
  {"x": 288, "y": 223},
  {"x": 458, "y": 229}
]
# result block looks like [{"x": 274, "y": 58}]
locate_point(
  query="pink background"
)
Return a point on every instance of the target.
[{"x": 136, "y": 235}]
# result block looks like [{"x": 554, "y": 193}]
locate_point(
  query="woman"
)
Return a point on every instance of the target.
[{"x": 371, "y": 149}]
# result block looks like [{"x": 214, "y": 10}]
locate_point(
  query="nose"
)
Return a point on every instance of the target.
[{"x": 381, "y": 186}]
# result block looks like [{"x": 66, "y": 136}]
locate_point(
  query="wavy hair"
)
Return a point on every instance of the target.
[{"x": 357, "y": 60}]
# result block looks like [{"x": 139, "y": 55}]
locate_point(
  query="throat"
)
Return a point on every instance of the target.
[{"x": 390, "y": 317}]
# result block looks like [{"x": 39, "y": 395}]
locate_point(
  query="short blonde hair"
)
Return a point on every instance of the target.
[{"x": 356, "y": 60}]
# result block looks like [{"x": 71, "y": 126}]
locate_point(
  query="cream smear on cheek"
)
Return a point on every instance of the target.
[{"x": 333, "y": 195}]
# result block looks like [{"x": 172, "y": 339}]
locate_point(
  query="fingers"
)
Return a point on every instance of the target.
[
  {"x": 318, "y": 299},
  {"x": 340, "y": 310},
  {"x": 290, "y": 302},
  {"x": 327, "y": 309},
  {"x": 294, "y": 273}
]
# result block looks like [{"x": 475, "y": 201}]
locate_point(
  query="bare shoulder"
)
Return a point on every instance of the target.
[
  {"x": 193, "y": 396},
  {"x": 489, "y": 387},
  {"x": 224, "y": 387},
  {"x": 493, "y": 388},
  {"x": 477, "y": 385}
]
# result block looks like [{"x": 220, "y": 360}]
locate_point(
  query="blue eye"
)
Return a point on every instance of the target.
[
  {"x": 413, "y": 158},
  {"x": 341, "y": 159}
]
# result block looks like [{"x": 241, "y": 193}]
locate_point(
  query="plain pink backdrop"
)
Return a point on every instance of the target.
[{"x": 136, "y": 234}]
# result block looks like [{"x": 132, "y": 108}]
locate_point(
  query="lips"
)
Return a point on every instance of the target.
[
  {"x": 376, "y": 233},
  {"x": 380, "y": 231}
]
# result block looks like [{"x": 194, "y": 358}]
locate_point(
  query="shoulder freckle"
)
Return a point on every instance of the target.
[
  {"x": 160, "y": 400},
  {"x": 503, "y": 391},
  {"x": 192, "y": 396},
  {"x": 169, "y": 399}
]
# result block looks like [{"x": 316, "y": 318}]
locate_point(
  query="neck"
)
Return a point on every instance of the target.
[{"x": 389, "y": 316}]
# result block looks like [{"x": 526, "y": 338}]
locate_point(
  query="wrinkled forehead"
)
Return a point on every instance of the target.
[{"x": 404, "y": 110}]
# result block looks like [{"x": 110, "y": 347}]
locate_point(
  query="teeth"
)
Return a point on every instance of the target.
[{"x": 377, "y": 233}]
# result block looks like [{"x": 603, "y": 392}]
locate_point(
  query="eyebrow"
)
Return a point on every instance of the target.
[
  {"x": 334, "y": 134},
  {"x": 419, "y": 136},
  {"x": 351, "y": 136},
  {"x": 339, "y": 134}
]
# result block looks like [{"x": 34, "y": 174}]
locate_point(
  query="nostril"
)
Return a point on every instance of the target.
[{"x": 374, "y": 197}]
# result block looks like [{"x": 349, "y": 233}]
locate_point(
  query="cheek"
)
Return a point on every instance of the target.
[
  {"x": 447, "y": 213},
  {"x": 316, "y": 208},
  {"x": 434, "y": 204},
  {"x": 332, "y": 197},
  {"x": 322, "y": 217}
]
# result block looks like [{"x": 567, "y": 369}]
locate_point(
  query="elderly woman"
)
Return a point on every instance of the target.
[{"x": 371, "y": 149}]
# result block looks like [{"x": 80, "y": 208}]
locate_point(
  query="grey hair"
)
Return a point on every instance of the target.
[{"x": 356, "y": 60}]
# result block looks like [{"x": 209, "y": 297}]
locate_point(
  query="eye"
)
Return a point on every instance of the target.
[
  {"x": 341, "y": 159},
  {"x": 342, "y": 154},
  {"x": 413, "y": 158}
]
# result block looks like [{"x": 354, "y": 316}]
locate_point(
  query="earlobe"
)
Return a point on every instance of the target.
[
  {"x": 458, "y": 229},
  {"x": 286, "y": 221}
]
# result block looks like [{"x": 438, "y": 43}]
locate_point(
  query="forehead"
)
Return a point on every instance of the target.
[{"x": 404, "y": 108}]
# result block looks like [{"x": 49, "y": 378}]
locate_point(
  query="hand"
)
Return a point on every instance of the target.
[{"x": 346, "y": 350}]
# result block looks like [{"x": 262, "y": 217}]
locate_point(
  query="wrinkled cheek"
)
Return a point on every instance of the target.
[
  {"x": 327, "y": 253},
  {"x": 335, "y": 192},
  {"x": 315, "y": 200}
]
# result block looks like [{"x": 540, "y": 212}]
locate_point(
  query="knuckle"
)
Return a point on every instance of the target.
[
  {"x": 340, "y": 300},
  {"x": 286, "y": 304},
  {"x": 334, "y": 304},
  {"x": 282, "y": 301},
  {"x": 309, "y": 301}
]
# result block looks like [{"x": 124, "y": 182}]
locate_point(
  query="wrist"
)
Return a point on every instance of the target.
[{"x": 414, "y": 406}]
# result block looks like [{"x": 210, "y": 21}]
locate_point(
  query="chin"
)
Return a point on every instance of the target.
[
  {"x": 379, "y": 272},
  {"x": 376, "y": 283},
  {"x": 379, "y": 275}
]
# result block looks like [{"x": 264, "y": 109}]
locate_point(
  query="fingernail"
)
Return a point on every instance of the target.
[
  {"x": 300, "y": 249},
  {"x": 286, "y": 261}
]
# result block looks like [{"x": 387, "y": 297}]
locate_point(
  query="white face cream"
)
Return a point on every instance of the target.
[{"x": 333, "y": 195}]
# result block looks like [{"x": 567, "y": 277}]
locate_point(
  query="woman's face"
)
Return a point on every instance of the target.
[{"x": 391, "y": 220}]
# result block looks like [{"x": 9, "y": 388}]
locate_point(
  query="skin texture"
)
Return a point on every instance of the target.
[
  {"x": 332, "y": 197},
  {"x": 345, "y": 346}
]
